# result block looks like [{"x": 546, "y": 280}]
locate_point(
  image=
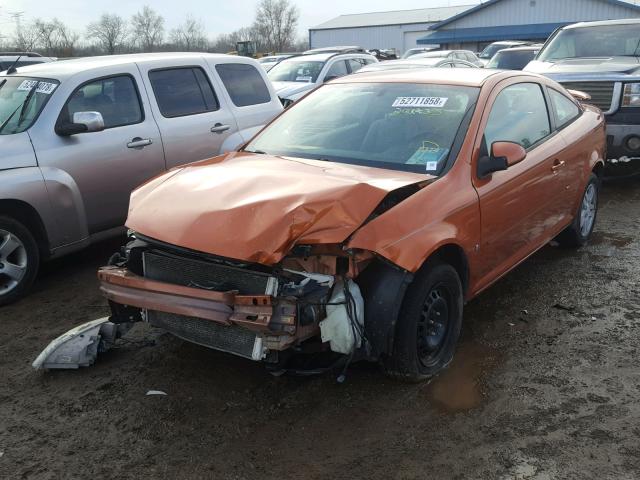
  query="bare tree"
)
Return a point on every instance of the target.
[
  {"x": 275, "y": 24},
  {"x": 148, "y": 28},
  {"x": 110, "y": 32},
  {"x": 190, "y": 35},
  {"x": 55, "y": 37},
  {"x": 26, "y": 38}
]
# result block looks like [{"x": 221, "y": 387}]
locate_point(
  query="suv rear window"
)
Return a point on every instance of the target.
[
  {"x": 244, "y": 84},
  {"x": 183, "y": 91}
]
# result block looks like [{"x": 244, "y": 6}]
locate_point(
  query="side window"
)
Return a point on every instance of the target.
[
  {"x": 183, "y": 91},
  {"x": 356, "y": 64},
  {"x": 244, "y": 84},
  {"x": 564, "y": 108},
  {"x": 116, "y": 98},
  {"x": 461, "y": 55},
  {"x": 338, "y": 69},
  {"x": 470, "y": 57},
  {"x": 519, "y": 114}
]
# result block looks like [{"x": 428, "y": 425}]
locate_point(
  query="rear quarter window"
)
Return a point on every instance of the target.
[
  {"x": 244, "y": 84},
  {"x": 566, "y": 111},
  {"x": 183, "y": 91}
]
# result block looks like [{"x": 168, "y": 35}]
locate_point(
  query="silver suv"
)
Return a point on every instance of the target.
[
  {"x": 78, "y": 136},
  {"x": 294, "y": 77}
]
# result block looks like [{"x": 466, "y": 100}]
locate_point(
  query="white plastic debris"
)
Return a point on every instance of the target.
[
  {"x": 337, "y": 328},
  {"x": 80, "y": 346},
  {"x": 155, "y": 392}
]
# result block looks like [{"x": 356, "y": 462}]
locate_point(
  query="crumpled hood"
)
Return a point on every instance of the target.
[
  {"x": 291, "y": 89},
  {"x": 255, "y": 207},
  {"x": 600, "y": 65}
]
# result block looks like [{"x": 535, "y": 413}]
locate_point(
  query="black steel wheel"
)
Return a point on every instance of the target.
[{"x": 429, "y": 324}]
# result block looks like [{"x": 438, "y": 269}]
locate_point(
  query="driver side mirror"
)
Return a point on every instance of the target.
[
  {"x": 83, "y": 122},
  {"x": 503, "y": 155}
]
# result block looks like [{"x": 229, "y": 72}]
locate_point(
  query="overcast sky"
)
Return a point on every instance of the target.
[{"x": 218, "y": 16}]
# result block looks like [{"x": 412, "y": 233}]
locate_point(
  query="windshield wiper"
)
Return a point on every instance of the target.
[
  {"x": 22, "y": 108},
  {"x": 259, "y": 152}
]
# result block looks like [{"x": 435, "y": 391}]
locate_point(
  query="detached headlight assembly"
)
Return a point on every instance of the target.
[{"x": 631, "y": 95}]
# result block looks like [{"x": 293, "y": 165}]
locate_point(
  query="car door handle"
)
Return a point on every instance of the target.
[
  {"x": 557, "y": 165},
  {"x": 219, "y": 128},
  {"x": 139, "y": 142}
]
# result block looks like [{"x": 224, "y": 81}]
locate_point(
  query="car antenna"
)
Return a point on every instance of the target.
[{"x": 12, "y": 68}]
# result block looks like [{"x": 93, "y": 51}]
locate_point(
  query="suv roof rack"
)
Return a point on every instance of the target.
[
  {"x": 334, "y": 50},
  {"x": 20, "y": 54}
]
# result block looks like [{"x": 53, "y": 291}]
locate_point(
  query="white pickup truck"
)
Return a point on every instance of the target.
[{"x": 77, "y": 136}]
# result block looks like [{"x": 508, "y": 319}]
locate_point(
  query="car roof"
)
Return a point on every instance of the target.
[
  {"x": 472, "y": 77},
  {"x": 528, "y": 48},
  {"x": 62, "y": 70},
  {"x": 322, "y": 57},
  {"x": 623, "y": 21},
  {"x": 25, "y": 58}
]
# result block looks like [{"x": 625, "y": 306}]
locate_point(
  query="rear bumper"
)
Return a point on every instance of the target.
[{"x": 245, "y": 325}]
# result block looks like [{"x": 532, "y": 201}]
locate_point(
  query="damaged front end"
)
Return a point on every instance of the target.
[{"x": 307, "y": 303}]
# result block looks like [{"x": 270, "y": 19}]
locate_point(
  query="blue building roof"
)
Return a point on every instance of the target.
[
  {"x": 482, "y": 34},
  {"x": 471, "y": 11}
]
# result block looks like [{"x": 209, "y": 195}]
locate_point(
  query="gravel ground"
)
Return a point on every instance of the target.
[{"x": 544, "y": 385}]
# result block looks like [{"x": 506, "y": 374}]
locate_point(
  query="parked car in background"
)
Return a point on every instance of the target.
[
  {"x": 603, "y": 60},
  {"x": 515, "y": 58},
  {"x": 490, "y": 50},
  {"x": 465, "y": 55},
  {"x": 415, "y": 51},
  {"x": 385, "y": 54},
  {"x": 21, "y": 59},
  {"x": 413, "y": 62},
  {"x": 294, "y": 77},
  {"x": 78, "y": 136},
  {"x": 269, "y": 62},
  {"x": 362, "y": 240}
]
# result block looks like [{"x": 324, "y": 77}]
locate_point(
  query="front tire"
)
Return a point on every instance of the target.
[
  {"x": 429, "y": 324},
  {"x": 19, "y": 260},
  {"x": 577, "y": 234}
]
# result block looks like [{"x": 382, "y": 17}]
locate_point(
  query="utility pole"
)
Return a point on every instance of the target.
[{"x": 17, "y": 17}]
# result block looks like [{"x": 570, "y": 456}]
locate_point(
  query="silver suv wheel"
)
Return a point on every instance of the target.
[{"x": 13, "y": 261}]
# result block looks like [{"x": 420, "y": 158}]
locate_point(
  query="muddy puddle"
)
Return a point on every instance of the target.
[
  {"x": 462, "y": 386},
  {"x": 618, "y": 241}
]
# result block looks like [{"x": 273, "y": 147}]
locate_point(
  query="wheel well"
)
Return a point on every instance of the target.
[
  {"x": 454, "y": 255},
  {"x": 598, "y": 169},
  {"x": 26, "y": 214}
]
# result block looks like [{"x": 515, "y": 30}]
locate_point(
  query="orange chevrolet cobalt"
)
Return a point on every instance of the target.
[{"x": 358, "y": 223}]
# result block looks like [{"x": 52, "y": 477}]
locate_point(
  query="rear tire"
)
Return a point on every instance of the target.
[
  {"x": 429, "y": 324},
  {"x": 19, "y": 260},
  {"x": 577, "y": 234}
]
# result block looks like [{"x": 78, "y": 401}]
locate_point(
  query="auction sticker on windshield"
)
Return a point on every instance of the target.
[
  {"x": 412, "y": 102},
  {"x": 42, "y": 87}
]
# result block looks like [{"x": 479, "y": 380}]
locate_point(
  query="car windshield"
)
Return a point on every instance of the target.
[
  {"x": 603, "y": 41},
  {"x": 491, "y": 50},
  {"x": 21, "y": 101},
  {"x": 398, "y": 126},
  {"x": 296, "y": 71},
  {"x": 511, "y": 59}
]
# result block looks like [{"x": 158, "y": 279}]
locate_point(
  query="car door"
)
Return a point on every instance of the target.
[
  {"x": 572, "y": 160},
  {"x": 335, "y": 69},
  {"x": 521, "y": 207},
  {"x": 104, "y": 165},
  {"x": 193, "y": 118}
]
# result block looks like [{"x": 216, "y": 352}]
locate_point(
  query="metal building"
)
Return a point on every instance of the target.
[
  {"x": 397, "y": 29},
  {"x": 534, "y": 20}
]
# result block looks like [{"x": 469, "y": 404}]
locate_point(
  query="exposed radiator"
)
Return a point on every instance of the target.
[
  {"x": 189, "y": 272},
  {"x": 230, "y": 339}
]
